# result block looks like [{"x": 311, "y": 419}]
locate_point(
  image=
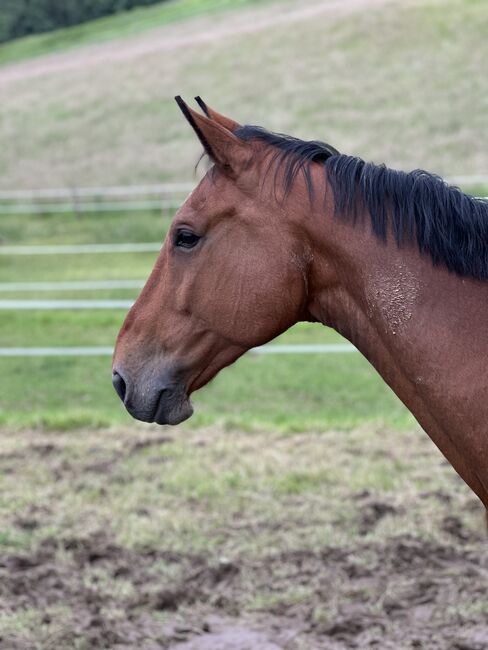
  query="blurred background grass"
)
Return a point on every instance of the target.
[
  {"x": 286, "y": 393},
  {"x": 138, "y": 20},
  {"x": 397, "y": 82}
]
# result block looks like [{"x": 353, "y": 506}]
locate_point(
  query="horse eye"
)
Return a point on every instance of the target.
[{"x": 186, "y": 239}]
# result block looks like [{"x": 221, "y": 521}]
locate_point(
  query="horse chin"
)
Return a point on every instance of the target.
[{"x": 175, "y": 412}]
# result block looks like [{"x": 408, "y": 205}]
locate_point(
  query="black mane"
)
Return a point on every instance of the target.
[{"x": 450, "y": 226}]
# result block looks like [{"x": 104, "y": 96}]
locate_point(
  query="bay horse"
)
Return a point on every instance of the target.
[{"x": 281, "y": 230}]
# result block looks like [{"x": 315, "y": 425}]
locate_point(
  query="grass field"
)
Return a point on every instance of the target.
[
  {"x": 306, "y": 392},
  {"x": 286, "y": 393}
]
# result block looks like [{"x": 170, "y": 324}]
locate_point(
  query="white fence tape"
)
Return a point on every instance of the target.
[
  {"x": 159, "y": 190},
  {"x": 56, "y": 352},
  {"x": 78, "y": 199},
  {"x": 94, "y": 199},
  {"x": 97, "y": 192},
  {"x": 76, "y": 249},
  {"x": 324, "y": 348},
  {"x": 474, "y": 179},
  {"x": 49, "y": 305},
  {"x": 167, "y": 197},
  {"x": 63, "y": 208},
  {"x": 74, "y": 285}
]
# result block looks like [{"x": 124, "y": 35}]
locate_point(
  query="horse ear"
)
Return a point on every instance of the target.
[
  {"x": 226, "y": 122},
  {"x": 226, "y": 150}
]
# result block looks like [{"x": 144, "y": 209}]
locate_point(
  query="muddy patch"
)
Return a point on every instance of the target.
[
  {"x": 235, "y": 637},
  {"x": 71, "y": 578},
  {"x": 402, "y": 593}
]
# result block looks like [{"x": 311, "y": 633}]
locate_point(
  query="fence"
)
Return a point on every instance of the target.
[
  {"x": 302, "y": 348},
  {"x": 94, "y": 199},
  {"x": 101, "y": 199},
  {"x": 164, "y": 197}
]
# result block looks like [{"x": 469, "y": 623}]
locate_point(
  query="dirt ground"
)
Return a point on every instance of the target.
[
  {"x": 414, "y": 585},
  {"x": 398, "y": 601},
  {"x": 90, "y": 591}
]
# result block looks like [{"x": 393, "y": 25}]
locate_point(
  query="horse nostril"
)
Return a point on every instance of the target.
[{"x": 119, "y": 385}]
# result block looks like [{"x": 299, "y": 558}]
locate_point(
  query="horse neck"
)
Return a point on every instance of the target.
[{"x": 417, "y": 324}]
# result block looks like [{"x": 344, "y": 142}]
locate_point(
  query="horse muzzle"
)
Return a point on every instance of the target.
[{"x": 153, "y": 400}]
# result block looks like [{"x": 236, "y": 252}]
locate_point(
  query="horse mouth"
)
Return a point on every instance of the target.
[{"x": 172, "y": 407}]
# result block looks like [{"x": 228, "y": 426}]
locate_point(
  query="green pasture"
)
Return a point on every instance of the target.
[
  {"x": 286, "y": 392},
  {"x": 111, "y": 123},
  {"x": 281, "y": 392}
]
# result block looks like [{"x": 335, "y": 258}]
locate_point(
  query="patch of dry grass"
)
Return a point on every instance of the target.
[{"x": 242, "y": 493}]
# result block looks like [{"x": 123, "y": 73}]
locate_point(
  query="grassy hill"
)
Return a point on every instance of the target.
[
  {"x": 400, "y": 82},
  {"x": 121, "y": 25}
]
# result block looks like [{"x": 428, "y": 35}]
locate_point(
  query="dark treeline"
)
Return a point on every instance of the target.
[{"x": 22, "y": 17}]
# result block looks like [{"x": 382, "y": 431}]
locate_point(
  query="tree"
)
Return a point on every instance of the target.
[{"x": 22, "y": 17}]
